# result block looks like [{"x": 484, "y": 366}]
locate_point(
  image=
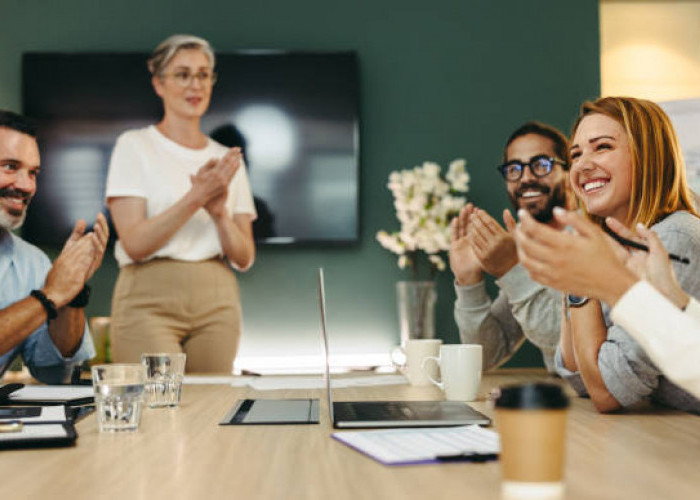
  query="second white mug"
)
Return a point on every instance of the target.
[
  {"x": 415, "y": 351},
  {"x": 460, "y": 370}
]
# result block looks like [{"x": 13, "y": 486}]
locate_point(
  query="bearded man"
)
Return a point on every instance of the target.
[
  {"x": 535, "y": 170},
  {"x": 42, "y": 305}
]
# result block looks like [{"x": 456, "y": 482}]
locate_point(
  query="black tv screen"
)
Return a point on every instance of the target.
[{"x": 294, "y": 114}]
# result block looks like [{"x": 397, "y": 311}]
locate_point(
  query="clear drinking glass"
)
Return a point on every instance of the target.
[
  {"x": 164, "y": 372},
  {"x": 118, "y": 396}
]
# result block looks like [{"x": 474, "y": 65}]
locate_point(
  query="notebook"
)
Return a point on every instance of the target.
[
  {"x": 35, "y": 435},
  {"x": 52, "y": 395},
  {"x": 366, "y": 414}
]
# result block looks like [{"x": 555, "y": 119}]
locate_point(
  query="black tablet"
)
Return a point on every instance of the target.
[{"x": 272, "y": 412}]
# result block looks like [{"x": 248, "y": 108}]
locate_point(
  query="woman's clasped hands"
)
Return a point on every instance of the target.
[{"x": 210, "y": 183}]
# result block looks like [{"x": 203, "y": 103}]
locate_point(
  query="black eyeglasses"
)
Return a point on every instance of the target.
[{"x": 540, "y": 166}]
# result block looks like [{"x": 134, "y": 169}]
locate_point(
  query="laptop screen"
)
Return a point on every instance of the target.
[{"x": 324, "y": 341}]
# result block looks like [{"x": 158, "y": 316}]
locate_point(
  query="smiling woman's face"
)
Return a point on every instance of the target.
[
  {"x": 601, "y": 167},
  {"x": 189, "y": 100}
]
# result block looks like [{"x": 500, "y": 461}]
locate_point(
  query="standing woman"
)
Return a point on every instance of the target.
[
  {"x": 183, "y": 211},
  {"x": 627, "y": 164}
]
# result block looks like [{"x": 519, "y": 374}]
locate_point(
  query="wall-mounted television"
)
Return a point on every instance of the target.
[{"x": 294, "y": 113}]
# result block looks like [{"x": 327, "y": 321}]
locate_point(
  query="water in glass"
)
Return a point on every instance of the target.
[{"x": 118, "y": 406}]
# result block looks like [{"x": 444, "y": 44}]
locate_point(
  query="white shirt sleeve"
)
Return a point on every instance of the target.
[
  {"x": 125, "y": 176},
  {"x": 693, "y": 309},
  {"x": 669, "y": 336},
  {"x": 240, "y": 195}
]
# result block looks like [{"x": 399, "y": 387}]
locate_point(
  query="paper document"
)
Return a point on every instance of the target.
[
  {"x": 36, "y": 432},
  {"x": 206, "y": 379},
  {"x": 421, "y": 446},
  {"x": 368, "y": 381},
  {"x": 273, "y": 383},
  {"x": 52, "y": 393},
  {"x": 268, "y": 383},
  {"x": 34, "y": 414}
]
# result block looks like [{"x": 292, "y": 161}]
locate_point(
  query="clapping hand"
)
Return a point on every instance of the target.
[
  {"x": 583, "y": 262},
  {"x": 493, "y": 246},
  {"x": 212, "y": 180},
  {"x": 654, "y": 266},
  {"x": 80, "y": 258},
  {"x": 463, "y": 262}
]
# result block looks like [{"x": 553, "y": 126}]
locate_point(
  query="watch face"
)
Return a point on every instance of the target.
[{"x": 575, "y": 300}]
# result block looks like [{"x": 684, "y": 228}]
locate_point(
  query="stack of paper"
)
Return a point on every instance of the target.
[
  {"x": 53, "y": 394},
  {"x": 423, "y": 446},
  {"x": 35, "y": 426},
  {"x": 269, "y": 383}
]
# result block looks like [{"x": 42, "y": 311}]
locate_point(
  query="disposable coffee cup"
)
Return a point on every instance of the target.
[{"x": 531, "y": 421}]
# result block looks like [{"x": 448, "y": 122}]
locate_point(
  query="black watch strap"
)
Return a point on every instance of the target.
[
  {"x": 48, "y": 304},
  {"x": 81, "y": 300}
]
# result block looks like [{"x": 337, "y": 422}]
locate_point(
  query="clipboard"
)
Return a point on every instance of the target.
[
  {"x": 417, "y": 446},
  {"x": 39, "y": 436},
  {"x": 47, "y": 395},
  {"x": 52, "y": 414},
  {"x": 7, "y": 389}
]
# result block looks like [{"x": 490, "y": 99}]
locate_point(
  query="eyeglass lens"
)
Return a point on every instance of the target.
[
  {"x": 538, "y": 166},
  {"x": 185, "y": 78}
]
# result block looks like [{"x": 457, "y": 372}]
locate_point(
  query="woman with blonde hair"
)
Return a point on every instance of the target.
[
  {"x": 182, "y": 207},
  {"x": 627, "y": 164}
]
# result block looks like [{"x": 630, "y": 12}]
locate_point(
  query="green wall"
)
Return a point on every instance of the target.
[{"x": 439, "y": 80}]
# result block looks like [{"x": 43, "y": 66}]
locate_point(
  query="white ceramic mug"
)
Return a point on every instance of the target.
[
  {"x": 414, "y": 352},
  {"x": 460, "y": 370}
]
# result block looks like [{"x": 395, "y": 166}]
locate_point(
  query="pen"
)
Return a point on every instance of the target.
[
  {"x": 640, "y": 246},
  {"x": 11, "y": 426},
  {"x": 468, "y": 457}
]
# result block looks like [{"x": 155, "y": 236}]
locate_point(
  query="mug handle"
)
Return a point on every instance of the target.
[
  {"x": 441, "y": 385},
  {"x": 395, "y": 352}
]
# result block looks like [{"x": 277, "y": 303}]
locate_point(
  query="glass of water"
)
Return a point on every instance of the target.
[
  {"x": 118, "y": 395},
  {"x": 164, "y": 372}
]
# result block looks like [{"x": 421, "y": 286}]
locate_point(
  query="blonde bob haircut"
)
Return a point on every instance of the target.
[
  {"x": 659, "y": 185},
  {"x": 167, "y": 49}
]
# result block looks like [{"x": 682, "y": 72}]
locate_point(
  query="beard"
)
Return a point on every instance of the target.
[
  {"x": 11, "y": 222},
  {"x": 556, "y": 197},
  {"x": 12, "y": 219}
]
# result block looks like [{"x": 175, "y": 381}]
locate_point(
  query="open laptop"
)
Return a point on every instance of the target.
[{"x": 354, "y": 414}]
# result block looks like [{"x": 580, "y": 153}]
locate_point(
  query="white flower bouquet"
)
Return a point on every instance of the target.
[{"x": 425, "y": 204}]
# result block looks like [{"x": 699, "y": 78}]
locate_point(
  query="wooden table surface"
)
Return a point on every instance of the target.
[{"x": 184, "y": 454}]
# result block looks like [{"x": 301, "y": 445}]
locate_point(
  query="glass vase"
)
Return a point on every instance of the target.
[{"x": 416, "y": 302}]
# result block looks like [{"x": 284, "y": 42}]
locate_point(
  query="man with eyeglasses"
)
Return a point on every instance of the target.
[
  {"x": 536, "y": 160},
  {"x": 42, "y": 305}
]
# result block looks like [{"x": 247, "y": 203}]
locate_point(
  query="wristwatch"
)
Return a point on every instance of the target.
[
  {"x": 81, "y": 300},
  {"x": 575, "y": 300},
  {"x": 46, "y": 303}
]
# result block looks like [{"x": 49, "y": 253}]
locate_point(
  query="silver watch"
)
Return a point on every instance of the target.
[{"x": 575, "y": 300}]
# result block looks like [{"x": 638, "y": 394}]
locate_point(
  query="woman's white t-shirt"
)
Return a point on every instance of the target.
[{"x": 146, "y": 164}]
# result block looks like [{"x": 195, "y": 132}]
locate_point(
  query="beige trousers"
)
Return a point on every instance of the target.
[{"x": 174, "y": 306}]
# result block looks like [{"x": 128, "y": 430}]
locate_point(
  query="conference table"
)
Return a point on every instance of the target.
[{"x": 184, "y": 453}]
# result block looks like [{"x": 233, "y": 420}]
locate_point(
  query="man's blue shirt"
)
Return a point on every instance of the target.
[{"x": 23, "y": 268}]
